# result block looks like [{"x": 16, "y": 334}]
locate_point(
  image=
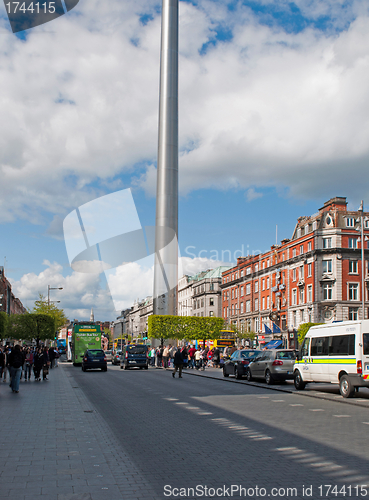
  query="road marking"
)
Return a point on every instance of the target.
[
  {"x": 263, "y": 397},
  {"x": 296, "y": 404},
  {"x": 171, "y": 399},
  {"x": 367, "y": 423},
  {"x": 192, "y": 408},
  {"x": 181, "y": 403},
  {"x": 278, "y": 400},
  {"x": 342, "y": 416},
  {"x": 316, "y": 409},
  {"x": 204, "y": 413}
]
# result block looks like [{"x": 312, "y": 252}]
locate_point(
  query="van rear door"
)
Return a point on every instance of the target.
[{"x": 365, "y": 356}]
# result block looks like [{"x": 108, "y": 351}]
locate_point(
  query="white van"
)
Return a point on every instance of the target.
[{"x": 337, "y": 353}]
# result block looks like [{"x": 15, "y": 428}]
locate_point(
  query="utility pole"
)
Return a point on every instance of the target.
[{"x": 166, "y": 229}]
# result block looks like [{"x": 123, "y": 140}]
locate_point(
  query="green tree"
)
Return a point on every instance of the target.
[
  {"x": 31, "y": 326},
  {"x": 42, "y": 307},
  {"x": 303, "y": 329},
  {"x": 3, "y": 324}
]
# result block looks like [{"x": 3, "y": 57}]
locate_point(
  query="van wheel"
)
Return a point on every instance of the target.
[
  {"x": 346, "y": 388},
  {"x": 268, "y": 378},
  {"x": 298, "y": 382}
]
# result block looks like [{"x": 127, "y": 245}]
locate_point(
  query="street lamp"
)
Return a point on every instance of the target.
[{"x": 48, "y": 293}]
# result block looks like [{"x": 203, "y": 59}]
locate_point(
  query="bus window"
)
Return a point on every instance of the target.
[
  {"x": 319, "y": 346},
  {"x": 342, "y": 344},
  {"x": 366, "y": 343}
]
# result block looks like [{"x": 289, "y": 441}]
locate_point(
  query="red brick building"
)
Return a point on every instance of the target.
[
  {"x": 9, "y": 303},
  {"x": 313, "y": 277}
]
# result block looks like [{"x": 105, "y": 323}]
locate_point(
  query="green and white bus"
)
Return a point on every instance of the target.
[{"x": 86, "y": 335}]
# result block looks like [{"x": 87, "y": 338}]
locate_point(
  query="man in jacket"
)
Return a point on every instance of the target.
[
  {"x": 178, "y": 363},
  {"x": 16, "y": 360}
]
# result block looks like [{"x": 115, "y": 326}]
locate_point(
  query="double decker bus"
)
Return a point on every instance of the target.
[{"x": 85, "y": 335}]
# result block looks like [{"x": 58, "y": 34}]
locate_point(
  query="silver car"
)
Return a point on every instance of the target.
[
  {"x": 109, "y": 355},
  {"x": 272, "y": 365}
]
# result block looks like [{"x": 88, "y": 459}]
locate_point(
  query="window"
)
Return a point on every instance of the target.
[
  {"x": 241, "y": 306},
  {"x": 310, "y": 269},
  {"x": 263, "y": 303},
  {"x": 353, "y": 291},
  {"x": 350, "y": 222},
  {"x": 211, "y": 313},
  {"x": 232, "y": 310},
  {"x": 310, "y": 293},
  {"x": 256, "y": 323},
  {"x": 327, "y": 266},
  {"x": 353, "y": 313},
  {"x": 268, "y": 263},
  {"x": 232, "y": 293},
  {"x": 248, "y": 270},
  {"x": 309, "y": 246},
  {"x": 211, "y": 301},
  {"x": 241, "y": 273},
  {"x": 294, "y": 252},
  {"x": 302, "y": 296},
  {"x": 211, "y": 287},
  {"x": 224, "y": 312},
  {"x": 305, "y": 347},
  {"x": 241, "y": 291},
  {"x": 294, "y": 296},
  {"x": 293, "y": 274},
  {"x": 263, "y": 281},
  {"x": 327, "y": 242},
  {"x": 268, "y": 302},
  {"x": 301, "y": 272},
  {"x": 256, "y": 304},
  {"x": 202, "y": 302},
  {"x": 294, "y": 315},
  {"x": 235, "y": 293},
  {"x": 248, "y": 306},
  {"x": 301, "y": 249},
  {"x": 256, "y": 268},
  {"x": 267, "y": 283},
  {"x": 353, "y": 266},
  {"x": 248, "y": 289},
  {"x": 256, "y": 286},
  {"x": 342, "y": 344},
  {"x": 352, "y": 243},
  {"x": 319, "y": 346},
  {"x": 327, "y": 291}
]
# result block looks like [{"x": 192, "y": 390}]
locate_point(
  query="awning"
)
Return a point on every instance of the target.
[{"x": 273, "y": 344}]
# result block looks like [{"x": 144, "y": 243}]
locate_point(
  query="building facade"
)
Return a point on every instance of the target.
[
  {"x": 8, "y": 302},
  {"x": 316, "y": 276}
]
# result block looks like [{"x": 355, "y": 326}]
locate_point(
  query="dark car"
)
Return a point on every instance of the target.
[
  {"x": 94, "y": 358},
  {"x": 116, "y": 358},
  {"x": 134, "y": 355},
  {"x": 238, "y": 363}
]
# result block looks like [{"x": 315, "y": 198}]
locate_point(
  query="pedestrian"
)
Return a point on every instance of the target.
[
  {"x": 165, "y": 356},
  {"x": 191, "y": 357},
  {"x": 15, "y": 362},
  {"x": 204, "y": 358},
  {"x": 197, "y": 357},
  {"x": 152, "y": 359},
  {"x": 185, "y": 356},
  {"x": 5, "y": 369},
  {"x": 28, "y": 364},
  {"x": 2, "y": 362},
  {"x": 51, "y": 357},
  {"x": 37, "y": 364},
  {"x": 178, "y": 363},
  {"x": 56, "y": 357},
  {"x": 45, "y": 363},
  {"x": 216, "y": 357},
  {"x": 159, "y": 356}
]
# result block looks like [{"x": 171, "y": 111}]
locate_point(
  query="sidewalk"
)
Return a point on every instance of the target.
[{"x": 55, "y": 447}]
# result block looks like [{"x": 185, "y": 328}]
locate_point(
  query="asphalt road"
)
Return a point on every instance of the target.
[{"x": 199, "y": 432}]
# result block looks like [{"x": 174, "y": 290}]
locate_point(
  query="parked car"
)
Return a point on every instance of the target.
[
  {"x": 116, "y": 358},
  {"x": 134, "y": 355},
  {"x": 238, "y": 362},
  {"x": 272, "y": 365},
  {"x": 109, "y": 355},
  {"x": 94, "y": 358}
]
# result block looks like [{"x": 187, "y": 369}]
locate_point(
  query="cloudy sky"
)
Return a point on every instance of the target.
[{"x": 274, "y": 120}]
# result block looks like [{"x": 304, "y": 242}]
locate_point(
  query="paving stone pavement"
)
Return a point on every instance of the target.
[{"x": 54, "y": 446}]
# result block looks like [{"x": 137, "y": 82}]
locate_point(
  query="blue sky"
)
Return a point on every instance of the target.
[{"x": 273, "y": 122}]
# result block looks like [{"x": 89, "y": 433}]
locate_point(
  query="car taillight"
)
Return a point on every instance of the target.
[
  {"x": 359, "y": 368},
  {"x": 126, "y": 354},
  {"x": 105, "y": 358},
  {"x": 85, "y": 359},
  {"x": 277, "y": 362},
  {"x": 245, "y": 362}
]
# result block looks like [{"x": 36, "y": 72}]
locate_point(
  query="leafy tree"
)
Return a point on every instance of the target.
[
  {"x": 303, "y": 329},
  {"x": 42, "y": 307},
  {"x": 3, "y": 324},
  {"x": 31, "y": 327}
]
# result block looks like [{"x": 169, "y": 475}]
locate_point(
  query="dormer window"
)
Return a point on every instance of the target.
[{"x": 350, "y": 222}]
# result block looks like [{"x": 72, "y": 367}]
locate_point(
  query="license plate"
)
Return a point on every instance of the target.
[
  {"x": 96, "y": 360},
  {"x": 132, "y": 361}
]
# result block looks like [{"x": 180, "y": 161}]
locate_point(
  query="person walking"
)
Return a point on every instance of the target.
[
  {"x": 159, "y": 356},
  {"x": 37, "y": 364},
  {"x": 28, "y": 364},
  {"x": 216, "y": 357},
  {"x": 51, "y": 357},
  {"x": 15, "y": 362},
  {"x": 165, "y": 356},
  {"x": 197, "y": 357},
  {"x": 191, "y": 354},
  {"x": 178, "y": 363},
  {"x": 45, "y": 364}
]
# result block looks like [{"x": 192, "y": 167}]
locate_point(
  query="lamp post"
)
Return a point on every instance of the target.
[{"x": 48, "y": 293}]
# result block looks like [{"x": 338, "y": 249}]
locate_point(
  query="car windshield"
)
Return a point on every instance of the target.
[
  {"x": 249, "y": 354},
  {"x": 95, "y": 353},
  {"x": 285, "y": 355},
  {"x": 108, "y": 352}
]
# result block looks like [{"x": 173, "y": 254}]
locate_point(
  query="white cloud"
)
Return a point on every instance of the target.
[{"x": 80, "y": 103}]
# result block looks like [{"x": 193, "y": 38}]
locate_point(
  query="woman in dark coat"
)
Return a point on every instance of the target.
[
  {"x": 45, "y": 363},
  {"x": 178, "y": 363},
  {"x": 37, "y": 364}
]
